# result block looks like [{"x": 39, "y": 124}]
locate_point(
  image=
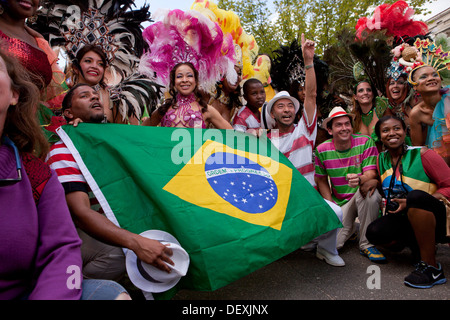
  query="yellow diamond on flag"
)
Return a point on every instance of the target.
[{"x": 240, "y": 184}]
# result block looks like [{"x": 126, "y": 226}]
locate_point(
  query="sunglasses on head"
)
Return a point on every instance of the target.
[{"x": 11, "y": 181}]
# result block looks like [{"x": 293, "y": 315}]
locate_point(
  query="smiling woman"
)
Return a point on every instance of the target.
[
  {"x": 414, "y": 180},
  {"x": 365, "y": 108},
  {"x": 399, "y": 96},
  {"x": 186, "y": 109},
  {"x": 89, "y": 67},
  {"x": 428, "y": 118}
]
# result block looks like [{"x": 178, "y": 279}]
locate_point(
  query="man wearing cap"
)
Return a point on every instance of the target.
[
  {"x": 102, "y": 253},
  {"x": 349, "y": 161},
  {"x": 296, "y": 142}
]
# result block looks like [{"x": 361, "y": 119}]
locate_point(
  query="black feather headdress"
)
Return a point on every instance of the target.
[
  {"x": 288, "y": 67},
  {"x": 116, "y": 27}
]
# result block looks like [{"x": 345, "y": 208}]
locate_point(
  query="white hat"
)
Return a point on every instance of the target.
[
  {"x": 266, "y": 119},
  {"x": 336, "y": 112},
  {"x": 151, "y": 279}
]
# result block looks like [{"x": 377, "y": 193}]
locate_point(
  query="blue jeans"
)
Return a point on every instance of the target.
[{"x": 95, "y": 289}]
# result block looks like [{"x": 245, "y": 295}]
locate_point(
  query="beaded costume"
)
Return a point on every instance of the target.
[{"x": 186, "y": 114}]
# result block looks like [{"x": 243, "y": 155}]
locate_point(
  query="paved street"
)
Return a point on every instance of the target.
[{"x": 301, "y": 276}]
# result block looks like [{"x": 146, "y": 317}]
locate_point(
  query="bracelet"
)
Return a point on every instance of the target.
[{"x": 309, "y": 66}]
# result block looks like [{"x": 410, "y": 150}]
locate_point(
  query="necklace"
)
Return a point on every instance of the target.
[
  {"x": 184, "y": 101},
  {"x": 223, "y": 99},
  {"x": 367, "y": 117}
]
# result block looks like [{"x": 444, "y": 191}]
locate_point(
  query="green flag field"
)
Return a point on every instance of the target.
[{"x": 232, "y": 200}]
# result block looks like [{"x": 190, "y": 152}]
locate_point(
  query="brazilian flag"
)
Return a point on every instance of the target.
[{"x": 233, "y": 201}]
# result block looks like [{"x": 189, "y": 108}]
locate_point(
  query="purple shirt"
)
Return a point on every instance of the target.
[{"x": 39, "y": 244}]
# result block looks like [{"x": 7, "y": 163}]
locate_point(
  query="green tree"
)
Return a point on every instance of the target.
[
  {"x": 321, "y": 20},
  {"x": 256, "y": 20}
]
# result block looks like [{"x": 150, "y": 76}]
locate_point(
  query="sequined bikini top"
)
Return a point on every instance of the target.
[
  {"x": 33, "y": 59},
  {"x": 187, "y": 114}
]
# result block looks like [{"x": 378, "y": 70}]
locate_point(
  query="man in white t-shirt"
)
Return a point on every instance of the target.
[{"x": 296, "y": 142}]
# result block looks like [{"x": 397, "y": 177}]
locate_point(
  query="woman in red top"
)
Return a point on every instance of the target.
[{"x": 35, "y": 54}]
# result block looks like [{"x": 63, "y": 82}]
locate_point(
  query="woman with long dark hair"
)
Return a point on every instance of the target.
[
  {"x": 364, "y": 108},
  {"x": 185, "y": 108},
  {"x": 89, "y": 67}
]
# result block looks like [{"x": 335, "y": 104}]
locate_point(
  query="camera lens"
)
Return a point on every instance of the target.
[{"x": 392, "y": 206}]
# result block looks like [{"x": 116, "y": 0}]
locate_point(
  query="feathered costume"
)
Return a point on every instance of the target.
[
  {"x": 116, "y": 28},
  {"x": 230, "y": 24},
  {"x": 430, "y": 55},
  {"x": 187, "y": 37},
  {"x": 366, "y": 53},
  {"x": 288, "y": 68},
  {"x": 396, "y": 19},
  {"x": 246, "y": 52},
  {"x": 261, "y": 69},
  {"x": 391, "y": 24}
]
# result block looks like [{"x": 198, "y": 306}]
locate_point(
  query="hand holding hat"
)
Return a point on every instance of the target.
[
  {"x": 153, "y": 279},
  {"x": 154, "y": 253}
]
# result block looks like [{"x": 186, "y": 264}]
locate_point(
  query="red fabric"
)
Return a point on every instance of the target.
[
  {"x": 38, "y": 173},
  {"x": 438, "y": 171},
  {"x": 55, "y": 123},
  {"x": 396, "y": 19},
  {"x": 31, "y": 58}
]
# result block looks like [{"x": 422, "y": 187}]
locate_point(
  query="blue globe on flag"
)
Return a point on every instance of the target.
[{"x": 241, "y": 182}]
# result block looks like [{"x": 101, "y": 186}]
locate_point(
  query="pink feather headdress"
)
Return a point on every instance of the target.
[{"x": 187, "y": 37}]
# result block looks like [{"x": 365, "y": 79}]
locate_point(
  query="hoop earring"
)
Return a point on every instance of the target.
[
  {"x": 33, "y": 19},
  {"x": 1, "y": 9}
]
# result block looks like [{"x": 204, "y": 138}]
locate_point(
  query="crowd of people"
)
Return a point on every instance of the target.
[{"x": 384, "y": 169}]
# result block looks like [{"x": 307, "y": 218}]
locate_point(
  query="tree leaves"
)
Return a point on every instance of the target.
[{"x": 320, "y": 20}]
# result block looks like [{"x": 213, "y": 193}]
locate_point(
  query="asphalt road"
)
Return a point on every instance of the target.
[{"x": 301, "y": 276}]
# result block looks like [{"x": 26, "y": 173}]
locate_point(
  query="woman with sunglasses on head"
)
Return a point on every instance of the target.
[
  {"x": 40, "y": 249},
  {"x": 414, "y": 181},
  {"x": 399, "y": 96}
]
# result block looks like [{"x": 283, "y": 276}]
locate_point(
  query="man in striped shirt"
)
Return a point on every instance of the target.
[
  {"x": 296, "y": 142},
  {"x": 102, "y": 253},
  {"x": 346, "y": 161}
]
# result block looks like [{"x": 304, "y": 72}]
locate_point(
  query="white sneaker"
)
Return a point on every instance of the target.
[{"x": 332, "y": 259}]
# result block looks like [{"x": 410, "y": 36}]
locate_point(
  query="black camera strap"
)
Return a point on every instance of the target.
[{"x": 391, "y": 184}]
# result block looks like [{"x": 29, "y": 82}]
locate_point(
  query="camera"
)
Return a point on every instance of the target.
[{"x": 392, "y": 206}]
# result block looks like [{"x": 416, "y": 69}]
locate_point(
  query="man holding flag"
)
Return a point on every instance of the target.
[
  {"x": 296, "y": 142},
  {"x": 103, "y": 256},
  {"x": 227, "y": 197}
]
